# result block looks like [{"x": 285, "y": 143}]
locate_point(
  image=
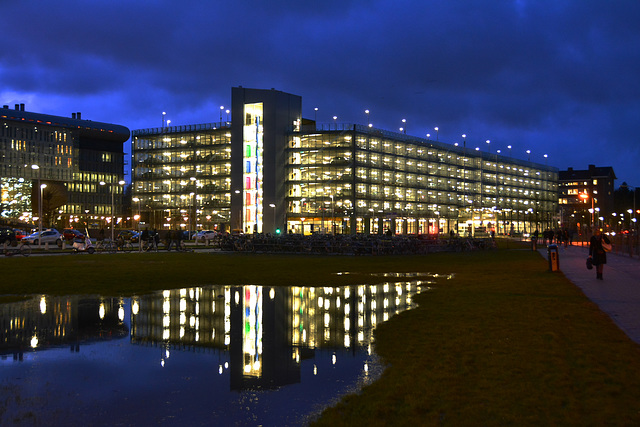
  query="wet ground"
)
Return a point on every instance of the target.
[{"x": 218, "y": 355}]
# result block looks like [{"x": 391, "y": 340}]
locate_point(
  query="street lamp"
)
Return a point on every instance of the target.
[
  {"x": 585, "y": 196},
  {"x": 368, "y": 121},
  {"x": 333, "y": 230},
  {"x": 436, "y": 129},
  {"x": 194, "y": 180},
  {"x": 136, "y": 199},
  {"x": 192, "y": 194},
  {"x": 121, "y": 182},
  {"x": 42, "y": 187},
  {"x": 625, "y": 185},
  {"x": 404, "y": 124},
  {"x": 272, "y": 205},
  {"x": 528, "y": 155},
  {"x": 36, "y": 167}
]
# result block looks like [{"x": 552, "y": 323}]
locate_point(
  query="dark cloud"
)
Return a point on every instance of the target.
[{"x": 556, "y": 77}]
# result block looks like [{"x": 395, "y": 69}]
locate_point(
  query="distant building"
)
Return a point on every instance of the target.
[
  {"x": 586, "y": 195},
  {"x": 269, "y": 169},
  {"x": 71, "y": 156}
]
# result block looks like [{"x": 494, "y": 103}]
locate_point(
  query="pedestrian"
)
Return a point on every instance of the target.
[
  {"x": 596, "y": 251},
  {"x": 178, "y": 238},
  {"x": 168, "y": 239},
  {"x": 156, "y": 238},
  {"x": 144, "y": 238}
]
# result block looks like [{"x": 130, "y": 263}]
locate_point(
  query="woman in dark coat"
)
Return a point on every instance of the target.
[{"x": 597, "y": 253}]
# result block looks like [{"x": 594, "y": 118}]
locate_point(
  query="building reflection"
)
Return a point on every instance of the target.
[
  {"x": 44, "y": 322},
  {"x": 261, "y": 334}
]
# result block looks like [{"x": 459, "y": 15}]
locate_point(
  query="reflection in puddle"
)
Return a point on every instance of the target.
[{"x": 225, "y": 354}]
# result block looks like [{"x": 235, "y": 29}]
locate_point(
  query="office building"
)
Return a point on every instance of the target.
[
  {"x": 586, "y": 195},
  {"x": 73, "y": 165}
]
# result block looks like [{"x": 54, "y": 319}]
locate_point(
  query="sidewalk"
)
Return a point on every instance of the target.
[{"x": 618, "y": 294}]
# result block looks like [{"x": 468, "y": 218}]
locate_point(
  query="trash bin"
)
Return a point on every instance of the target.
[{"x": 552, "y": 255}]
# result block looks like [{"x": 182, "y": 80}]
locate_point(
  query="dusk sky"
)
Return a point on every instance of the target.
[{"x": 556, "y": 77}]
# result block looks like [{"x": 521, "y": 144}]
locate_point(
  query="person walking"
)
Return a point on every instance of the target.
[
  {"x": 596, "y": 251},
  {"x": 178, "y": 239},
  {"x": 144, "y": 239}
]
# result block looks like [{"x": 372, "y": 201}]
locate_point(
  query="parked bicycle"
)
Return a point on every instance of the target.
[
  {"x": 124, "y": 245},
  {"x": 106, "y": 246},
  {"x": 23, "y": 249}
]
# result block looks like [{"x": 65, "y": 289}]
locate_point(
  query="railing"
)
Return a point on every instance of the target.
[{"x": 183, "y": 128}]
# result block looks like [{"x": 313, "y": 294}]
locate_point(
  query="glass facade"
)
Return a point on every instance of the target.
[
  {"x": 253, "y": 167},
  {"x": 71, "y": 156},
  {"x": 182, "y": 175},
  {"x": 353, "y": 179},
  {"x": 343, "y": 179}
]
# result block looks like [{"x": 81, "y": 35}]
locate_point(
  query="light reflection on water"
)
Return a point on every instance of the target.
[{"x": 240, "y": 355}]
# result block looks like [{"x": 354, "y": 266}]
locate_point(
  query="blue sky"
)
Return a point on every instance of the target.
[{"x": 554, "y": 77}]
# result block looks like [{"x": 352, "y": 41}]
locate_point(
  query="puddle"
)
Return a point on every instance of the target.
[{"x": 217, "y": 355}]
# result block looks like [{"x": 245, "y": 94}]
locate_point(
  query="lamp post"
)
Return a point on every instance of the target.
[
  {"x": 368, "y": 121},
  {"x": 194, "y": 180},
  {"x": 315, "y": 114},
  {"x": 42, "y": 187},
  {"x": 585, "y": 196},
  {"x": 136, "y": 199},
  {"x": 528, "y": 155},
  {"x": 272, "y": 205},
  {"x": 192, "y": 229},
  {"x": 404, "y": 126},
  {"x": 36, "y": 167},
  {"x": 333, "y": 231},
  {"x": 436, "y": 129},
  {"x": 634, "y": 198},
  {"x": 121, "y": 182},
  {"x": 464, "y": 176}
]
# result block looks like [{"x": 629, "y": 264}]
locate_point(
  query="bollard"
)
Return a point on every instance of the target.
[
  {"x": 554, "y": 259},
  {"x": 534, "y": 244}
]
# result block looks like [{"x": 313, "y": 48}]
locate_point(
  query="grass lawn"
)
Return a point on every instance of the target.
[{"x": 503, "y": 343}]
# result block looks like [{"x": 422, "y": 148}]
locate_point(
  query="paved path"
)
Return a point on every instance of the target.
[{"x": 618, "y": 294}]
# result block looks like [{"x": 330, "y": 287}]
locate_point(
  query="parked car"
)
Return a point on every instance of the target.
[
  {"x": 204, "y": 235},
  {"x": 48, "y": 236},
  {"x": 69, "y": 234},
  {"x": 7, "y": 234},
  {"x": 131, "y": 235},
  {"x": 19, "y": 234}
]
